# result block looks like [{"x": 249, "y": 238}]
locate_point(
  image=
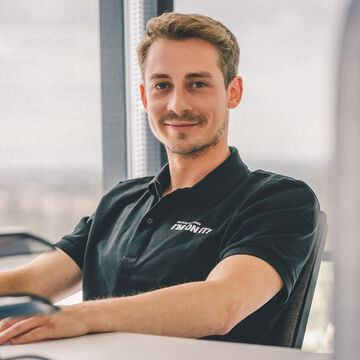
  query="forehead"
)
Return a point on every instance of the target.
[{"x": 179, "y": 57}]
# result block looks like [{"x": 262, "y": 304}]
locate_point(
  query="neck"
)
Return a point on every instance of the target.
[{"x": 187, "y": 171}]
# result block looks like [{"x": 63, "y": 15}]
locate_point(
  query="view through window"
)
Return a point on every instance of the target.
[{"x": 50, "y": 125}]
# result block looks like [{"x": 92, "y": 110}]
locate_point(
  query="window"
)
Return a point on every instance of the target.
[{"x": 50, "y": 138}]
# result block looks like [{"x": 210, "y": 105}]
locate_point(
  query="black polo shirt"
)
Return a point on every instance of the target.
[{"x": 137, "y": 241}]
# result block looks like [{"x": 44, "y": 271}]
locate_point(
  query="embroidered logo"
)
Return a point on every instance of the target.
[{"x": 192, "y": 226}]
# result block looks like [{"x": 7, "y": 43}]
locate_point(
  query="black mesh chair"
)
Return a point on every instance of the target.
[{"x": 291, "y": 326}]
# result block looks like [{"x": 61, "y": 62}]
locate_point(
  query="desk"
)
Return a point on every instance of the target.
[{"x": 151, "y": 347}]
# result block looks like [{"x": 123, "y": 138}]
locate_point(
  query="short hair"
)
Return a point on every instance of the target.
[{"x": 175, "y": 26}]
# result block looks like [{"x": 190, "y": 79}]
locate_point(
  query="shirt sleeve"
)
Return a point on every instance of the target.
[
  {"x": 278, "y": 225},
  {"x": 74, "y": 244}
]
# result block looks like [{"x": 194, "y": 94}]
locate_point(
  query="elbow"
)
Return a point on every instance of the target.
[
  {"x": 225, "y": 325},
  {"x": 230, "y": 319},
  {"x": 225, "y": 329}
]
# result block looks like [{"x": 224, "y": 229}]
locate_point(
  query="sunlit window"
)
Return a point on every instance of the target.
[{"x": 50, "y": 126}]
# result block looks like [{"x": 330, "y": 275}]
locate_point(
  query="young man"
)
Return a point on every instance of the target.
[{"x": 206, "y": 248}]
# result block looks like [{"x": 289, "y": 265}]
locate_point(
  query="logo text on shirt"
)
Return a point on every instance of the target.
[{"x": 192, "y": 226}]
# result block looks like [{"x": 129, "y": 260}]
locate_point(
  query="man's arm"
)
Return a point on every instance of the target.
[
  {"x": 236, "y": 287},
  {"x": 53, "y": 275}
]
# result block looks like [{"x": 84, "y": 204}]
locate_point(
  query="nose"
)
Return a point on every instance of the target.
[{"x": 179, "y": 102}]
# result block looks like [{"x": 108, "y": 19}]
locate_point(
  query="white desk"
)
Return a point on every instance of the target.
[{"x": 135, "y": 346}]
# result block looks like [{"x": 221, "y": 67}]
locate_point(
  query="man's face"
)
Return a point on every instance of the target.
[{"x": 185, "y": 96}]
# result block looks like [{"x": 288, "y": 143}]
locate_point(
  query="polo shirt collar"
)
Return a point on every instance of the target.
[
  {"x": 213, "y": 187},
  {"x": 160, "y": 182}
]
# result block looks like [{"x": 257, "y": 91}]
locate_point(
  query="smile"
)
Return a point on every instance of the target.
[{"x": 181, "y": 126}]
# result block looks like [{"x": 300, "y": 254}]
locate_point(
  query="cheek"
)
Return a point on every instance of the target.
[
  {"x": 155, "y": 107},
  {"x": 215, "y": 103},
  {"x": 152, "y": 121},
  {"x": 222, "y": 106},
  {"x": 153, "y": 126}
]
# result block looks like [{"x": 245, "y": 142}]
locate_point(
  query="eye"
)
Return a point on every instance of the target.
[
  {"x": 198, "y": 84},
  {"x": 161, "y": 86}
]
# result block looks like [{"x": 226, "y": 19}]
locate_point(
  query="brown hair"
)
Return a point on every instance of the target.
[{"x": 177, "y": 26}]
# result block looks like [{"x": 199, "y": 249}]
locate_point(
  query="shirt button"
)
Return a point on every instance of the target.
[{"x": 150, "y": 221}]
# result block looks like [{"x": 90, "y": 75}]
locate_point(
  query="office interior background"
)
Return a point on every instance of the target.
[{"x": 52, "y": 137}]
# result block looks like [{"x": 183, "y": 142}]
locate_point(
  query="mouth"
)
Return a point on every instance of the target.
[{"x": 181, "y": 126}]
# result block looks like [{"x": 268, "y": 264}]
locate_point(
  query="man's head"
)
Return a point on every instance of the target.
[
  {"x": 175, "y": 26},
  {"x": 189, "y": 86}
]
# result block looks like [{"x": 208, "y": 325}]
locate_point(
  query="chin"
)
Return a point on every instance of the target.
[{"x": 189, "y": 151}]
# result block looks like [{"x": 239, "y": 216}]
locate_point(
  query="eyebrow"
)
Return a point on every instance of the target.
[
  {"x": 201, "y": 74},
  {"x": 159, "y": 76}
]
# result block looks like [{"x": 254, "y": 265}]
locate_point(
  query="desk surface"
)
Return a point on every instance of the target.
[{"x": 136, "y": 346}]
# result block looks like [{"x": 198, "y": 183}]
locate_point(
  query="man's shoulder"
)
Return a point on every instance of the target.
[
  {"x": 269, "y": 178},
  {"x": 262, "y": 184}
]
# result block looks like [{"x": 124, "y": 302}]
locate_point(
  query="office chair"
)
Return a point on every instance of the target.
[
  {"x": 21, "y": 242},
  {"x": 290, "y": 328}
]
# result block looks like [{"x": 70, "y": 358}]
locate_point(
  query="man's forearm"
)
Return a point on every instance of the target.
[
  {"x": 188, "y": 310},
  {"x": 11, "y": 282}
]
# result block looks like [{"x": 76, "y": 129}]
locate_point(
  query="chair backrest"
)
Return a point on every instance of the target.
[{"x": 290, "y": 329}]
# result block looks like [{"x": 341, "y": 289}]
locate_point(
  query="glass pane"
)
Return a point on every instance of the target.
[{"x": 50, "y": 138}]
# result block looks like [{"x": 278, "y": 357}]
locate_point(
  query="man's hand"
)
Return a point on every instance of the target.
[{"x": 70, "y": 322}]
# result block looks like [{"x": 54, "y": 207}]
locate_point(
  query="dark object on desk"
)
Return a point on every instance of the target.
[
  {"x": 13, "y": 305},
  {"x": 22, "y": 243},
  {"x": 25, "y": 357},
  {"x": 291, "y": 326}
]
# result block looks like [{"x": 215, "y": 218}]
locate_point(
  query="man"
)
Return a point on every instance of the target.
[{"x": 206, "y": 248}]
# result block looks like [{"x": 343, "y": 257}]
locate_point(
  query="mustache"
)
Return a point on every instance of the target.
[{"x": 189, "y": 117}]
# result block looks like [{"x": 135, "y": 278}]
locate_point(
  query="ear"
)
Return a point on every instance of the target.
[
  {"x": 235, "y": 90},
  {"x": 143, "y": 96}
]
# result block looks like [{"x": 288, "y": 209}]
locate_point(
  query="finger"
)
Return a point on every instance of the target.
[
  {"x": 21, "y": 327},
  {"x": 7, "y": 322},
  {"x": 38, "y": 334}
]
